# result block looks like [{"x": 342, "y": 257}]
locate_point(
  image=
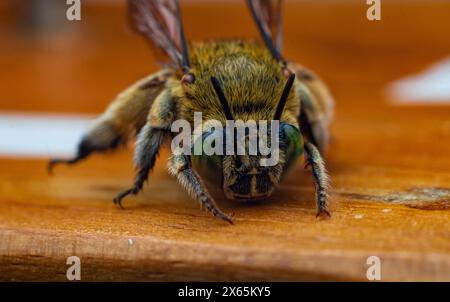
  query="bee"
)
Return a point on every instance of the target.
[{"x": 224, "y": 80}]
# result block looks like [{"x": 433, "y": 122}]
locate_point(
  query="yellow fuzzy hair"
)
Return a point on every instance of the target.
[{"x": 251, "y": 79}]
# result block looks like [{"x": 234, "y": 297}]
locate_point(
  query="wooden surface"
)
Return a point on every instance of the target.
[{"x": 390, "y": 165}]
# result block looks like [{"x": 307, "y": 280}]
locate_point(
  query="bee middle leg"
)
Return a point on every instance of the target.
[
  {"x": 149, "y": 141},
  {"x": 180, "y": 166},
  {"x": 320, "y": 178}
]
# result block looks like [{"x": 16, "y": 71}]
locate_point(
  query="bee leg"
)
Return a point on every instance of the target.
[
  {"x": 180, "y": 167},
  {"x": 149, "y": 141},
  {"x": 88, "y": 144},
  {"x": 316, "y": 106},
  {"x": 320, "y": 178},
  {"x": 124, "y": 117}
]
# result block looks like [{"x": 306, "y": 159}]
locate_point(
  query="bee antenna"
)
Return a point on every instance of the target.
[
  {"x": 264, "y": 31},
  {"x": 284, "y": 97},
  {"x": 223, "y": 100}
]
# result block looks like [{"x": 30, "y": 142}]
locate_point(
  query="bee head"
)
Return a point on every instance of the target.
[{"x": 248, "y": 175}]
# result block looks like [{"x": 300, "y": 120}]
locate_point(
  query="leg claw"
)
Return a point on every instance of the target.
[
  {"x": 52, "y": 163},
  {"x": 118, "y": 199},
  {"x": 225, "y": 217},
  {"x": 307, "y": 164},
  {"x": 323, "y": 213}
]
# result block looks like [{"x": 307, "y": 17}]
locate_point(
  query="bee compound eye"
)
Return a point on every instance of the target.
[{"x": 188, "y": 79}]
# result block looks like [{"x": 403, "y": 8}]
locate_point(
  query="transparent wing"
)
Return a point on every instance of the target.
[{"x": 159, "y": 21}]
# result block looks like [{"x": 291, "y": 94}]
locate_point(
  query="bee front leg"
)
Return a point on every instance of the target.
[
  {"x": 320, "y": 178},
  {"x": 180, "y": 166}
]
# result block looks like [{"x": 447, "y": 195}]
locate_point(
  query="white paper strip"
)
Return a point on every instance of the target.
[
  {"x": 40, "y": 135},
  {"x": 432, "y": 86}
]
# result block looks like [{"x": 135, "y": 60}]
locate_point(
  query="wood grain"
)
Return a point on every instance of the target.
[{"x": 390, "y": 166}]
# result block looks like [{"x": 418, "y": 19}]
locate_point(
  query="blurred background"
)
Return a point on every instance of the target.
[{"x": 51, "y": 65}]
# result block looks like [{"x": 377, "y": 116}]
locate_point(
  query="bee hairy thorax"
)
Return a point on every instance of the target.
[{"x": 251, "y": 79}]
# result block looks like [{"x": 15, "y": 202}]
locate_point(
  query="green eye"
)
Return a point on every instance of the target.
[
  {"x": 292, "y": 141},
  {"x": 208, "y": 166}
]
